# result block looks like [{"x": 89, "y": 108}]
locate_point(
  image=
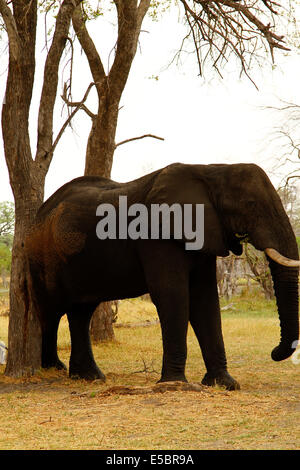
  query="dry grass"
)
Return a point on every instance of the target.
[{"x": 50, "y": 411}]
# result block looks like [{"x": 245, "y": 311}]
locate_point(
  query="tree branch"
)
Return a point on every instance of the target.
[
  {"x": 20, "y": 24},
  {"x": 49, "y": 90},
  {"x": 79, "y": 105},
  {"x": 273, "y": 39},
  {"x": 138, "y": 138},
  {"x": 12, "y": 32},
  {"x": 291, "y": 177},
  {"x": 87, "y": 44},
  {"x": 141, "y": 12},
  {"x": 220, "y": 27},
  {"x": 130, "y": 19}
]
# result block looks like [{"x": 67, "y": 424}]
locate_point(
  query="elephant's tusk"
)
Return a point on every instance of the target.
[{"x": 275, "y": 256}]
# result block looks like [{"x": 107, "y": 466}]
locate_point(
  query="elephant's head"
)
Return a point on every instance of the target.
[{"x": 240, "y": 201}]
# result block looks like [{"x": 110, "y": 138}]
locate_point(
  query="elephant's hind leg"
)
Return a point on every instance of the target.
[
  {"x": 82, "y": 363},
  {"x": 205, "y": 319},
  {"x": 49, "y": 342}
]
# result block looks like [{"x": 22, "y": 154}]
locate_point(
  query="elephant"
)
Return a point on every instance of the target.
[{"x": 72, "y": 270}]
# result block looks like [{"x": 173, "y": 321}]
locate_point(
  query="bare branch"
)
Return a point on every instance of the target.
[
  {"x": 138, "y": 138},
  {"x": 273, "y": 39},
  {"x": 225, "y": 27},
  {"x": 291, "y": 177},
  {"x": 285, "y": 138},
  {"x": 79, "y": 105},
  {"x": 68, "y": 89}
]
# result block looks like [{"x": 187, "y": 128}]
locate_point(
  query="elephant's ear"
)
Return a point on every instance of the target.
[{"x": 177, "y": 184}]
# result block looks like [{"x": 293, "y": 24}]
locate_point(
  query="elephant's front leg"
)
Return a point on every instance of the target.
[
  {"x": 166, "y": 273},
  {"x": 205, "y": 319},
  {"x": 172, "y": 308}
]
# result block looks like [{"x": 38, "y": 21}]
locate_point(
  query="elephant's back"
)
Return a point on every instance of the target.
[
  {"x": 76, "y": 189},
  {"x": 90, "y": 191}
]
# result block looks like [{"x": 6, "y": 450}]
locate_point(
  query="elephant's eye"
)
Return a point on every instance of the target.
[{"x": 243, "y": 237}]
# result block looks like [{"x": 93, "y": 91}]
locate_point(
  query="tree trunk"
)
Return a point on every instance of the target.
[
  {"x": 101, "y": 142},
  {"x": 99, "y": 159},
  {"x": 102, "y": 323},
  {"x": 27, "y": 175},
  {"x": 24, "y": 334},
  {"x": 24, "y": 348}
]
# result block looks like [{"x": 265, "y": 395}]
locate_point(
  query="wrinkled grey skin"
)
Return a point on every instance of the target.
[{"x": 72, "y": 270}]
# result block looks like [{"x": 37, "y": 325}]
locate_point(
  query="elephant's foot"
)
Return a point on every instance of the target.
[
  {"x": 172, "y": 378},
  {"x": 91, "y": 372},
  {"x": 221, "y": 378},
  {"x": 56, "y": 363}
]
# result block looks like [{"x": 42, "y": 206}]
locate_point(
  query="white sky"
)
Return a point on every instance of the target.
[{"x": 202, "y": 121}]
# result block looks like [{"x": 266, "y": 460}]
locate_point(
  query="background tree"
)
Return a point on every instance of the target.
[
  {"x": 209, "y": 23},
  {"x": 259, "y": 267},
  {"x": 227, "y": 277},
  {"x": 7, "y": 223},
  {"x": 5, "y": 263},
  {"x": 290, "y": 196},
  {"x": 284, "y": 137}
]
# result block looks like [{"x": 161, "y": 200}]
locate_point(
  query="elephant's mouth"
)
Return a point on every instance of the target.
[{"x": 235, "y": 243}]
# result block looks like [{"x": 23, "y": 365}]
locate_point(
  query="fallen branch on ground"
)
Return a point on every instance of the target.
[
  {"x": 133, "y": 325},
  {"x": 157, "y": 388}
]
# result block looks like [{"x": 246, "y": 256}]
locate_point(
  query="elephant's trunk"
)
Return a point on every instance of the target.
[
  {"x": 286, "y": 291},
  {"x": 285, "y": 280},
  {"x": 277, "y": 239}
]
